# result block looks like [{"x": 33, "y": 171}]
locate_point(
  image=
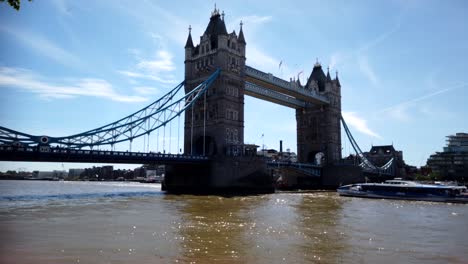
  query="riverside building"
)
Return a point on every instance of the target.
[{"x": 452, "y": 162}]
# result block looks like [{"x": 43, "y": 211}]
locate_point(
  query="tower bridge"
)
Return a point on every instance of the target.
[{"x": 216, "y": 82}]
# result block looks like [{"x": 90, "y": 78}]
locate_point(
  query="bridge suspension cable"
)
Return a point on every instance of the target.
[
  {"x": 143, "y": 122},
  {"x": 365, "y": 163}
]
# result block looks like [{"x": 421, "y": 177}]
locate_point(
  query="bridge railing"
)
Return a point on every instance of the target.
[
  {"x": 292, "y": 86},
  {"x": 66, "y": 151}
]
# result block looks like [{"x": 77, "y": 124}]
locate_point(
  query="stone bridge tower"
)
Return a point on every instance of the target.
[
  {"x": 319, "y": 127},
  {"x": 221, "y": 117},
  {"x": 216, "y": 125}
]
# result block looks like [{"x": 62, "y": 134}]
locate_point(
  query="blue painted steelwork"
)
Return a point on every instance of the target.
[
  {"x": 57, "y": 154},
  {"x": 366, "y": 165},
  {"x": 140, "y": 123}
]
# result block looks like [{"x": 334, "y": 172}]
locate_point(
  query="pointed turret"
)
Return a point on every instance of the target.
[
  {"x": 216, "y": 26},
  {"x": 337, "y": 80},
  {"x": 189, "y": 43},
  {"x": 241, "y": 38},
  {"x": 317, "y": 75},
  {"x": 328, "y": 75}
]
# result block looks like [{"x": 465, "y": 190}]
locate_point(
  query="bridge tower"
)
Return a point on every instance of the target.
[
  {"x": 217, "y": 122},
  {"x": 214, "y": 126},
  {"x": 318, "y": 127}
]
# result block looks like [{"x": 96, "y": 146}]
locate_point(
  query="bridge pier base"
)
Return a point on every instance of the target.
[
  {"x": 336, "y": 175},
  {"x": 227, "y": 175}
]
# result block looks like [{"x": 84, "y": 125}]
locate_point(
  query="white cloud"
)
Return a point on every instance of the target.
[
  {"x": 261, "y": 60},
  {"x": 401, "y": 112},
  {"x": 146, "y": 90},
  {"x": 151, "y": 16},
  {"x": 381, "y": 38},
  {"x": 367, "y": 70},
  {"x": 43, "y": 46},
  {"x": 251, "y": 23},
  {"x": 256, "y": 57},
  {"x": 157, "y": 69},
  {"x": 359, "y": 123},
  {"x": 29, "y": 81},
  {"x": 134, "y": 74},
  {"x": 340, "y": 57},
  {"x": 162, "y": 63},
  {"x": 335, "y": 59}
]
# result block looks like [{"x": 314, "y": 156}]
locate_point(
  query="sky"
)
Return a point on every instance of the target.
[{"x": 69, "y": 66}]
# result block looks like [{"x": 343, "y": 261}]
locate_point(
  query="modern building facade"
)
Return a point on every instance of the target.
[{"x": 452, "y": 162}]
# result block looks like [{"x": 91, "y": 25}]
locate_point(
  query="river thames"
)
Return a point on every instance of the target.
[{"x": 110, "y": 222}]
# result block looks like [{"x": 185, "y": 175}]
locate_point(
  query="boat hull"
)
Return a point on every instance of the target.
[{"x": 396, "y": 196}]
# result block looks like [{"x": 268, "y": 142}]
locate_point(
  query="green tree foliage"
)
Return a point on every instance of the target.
[{"x": 14, "y": 3}]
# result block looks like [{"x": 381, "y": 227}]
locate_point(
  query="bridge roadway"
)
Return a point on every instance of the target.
[
  {"x": 8, "y": 153},
  {"x": 268, "y": 87}
]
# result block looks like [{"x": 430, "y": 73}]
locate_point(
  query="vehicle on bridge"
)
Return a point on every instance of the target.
[{"x": 407, "y": 190}]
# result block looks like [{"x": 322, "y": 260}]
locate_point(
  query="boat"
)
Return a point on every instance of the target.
[{"x": 406, "y": 190}]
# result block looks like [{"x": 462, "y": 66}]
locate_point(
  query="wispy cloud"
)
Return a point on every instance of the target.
[
  {"x": 260, "y": 59},
  {"x": 156, "y": 69},
  {"x": 338, "y": 58},
  {"x": 175, "y": 27},
  {"x": 426, "y": 96},
  {"x": 359, "y": 123},
  {"x": 146, "y": 90},
  {"x": 43, "y": 46},
  {"x": 335, "y": 59},
  {"x": 256, "y": 56},
  {"x": 401, "y": 112},
  {"x": 381, "y": 38},
  {"x": 367, "y": 70},
  {"x": 251, "y": 23},
  {"x": 29, "y": 81}
]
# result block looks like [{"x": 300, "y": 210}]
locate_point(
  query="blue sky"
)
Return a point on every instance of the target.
[{"x": 70, "y": 66}]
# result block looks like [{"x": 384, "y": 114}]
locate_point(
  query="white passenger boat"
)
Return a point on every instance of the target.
[{"x": 406, "y": 190}]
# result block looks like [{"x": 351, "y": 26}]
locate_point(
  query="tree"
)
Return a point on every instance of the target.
[{"x": 14, "y": 3}]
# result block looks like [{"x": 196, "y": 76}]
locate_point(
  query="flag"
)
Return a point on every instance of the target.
[
  {"x": 299, "y": 74},
  {"x": 281, "y": 63}
]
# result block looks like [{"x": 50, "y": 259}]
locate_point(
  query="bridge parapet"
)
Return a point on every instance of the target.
[{"x": 292, "y": 87}]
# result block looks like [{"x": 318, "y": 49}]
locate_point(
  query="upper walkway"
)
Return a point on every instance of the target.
[{"x": 268, "y": 87}]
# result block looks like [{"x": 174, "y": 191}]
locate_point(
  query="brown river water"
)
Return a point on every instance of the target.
[{"x": 93, "y": 222}]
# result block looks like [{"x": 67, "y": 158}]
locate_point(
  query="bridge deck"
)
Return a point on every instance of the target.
[{"x": 96, "y": 156}]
